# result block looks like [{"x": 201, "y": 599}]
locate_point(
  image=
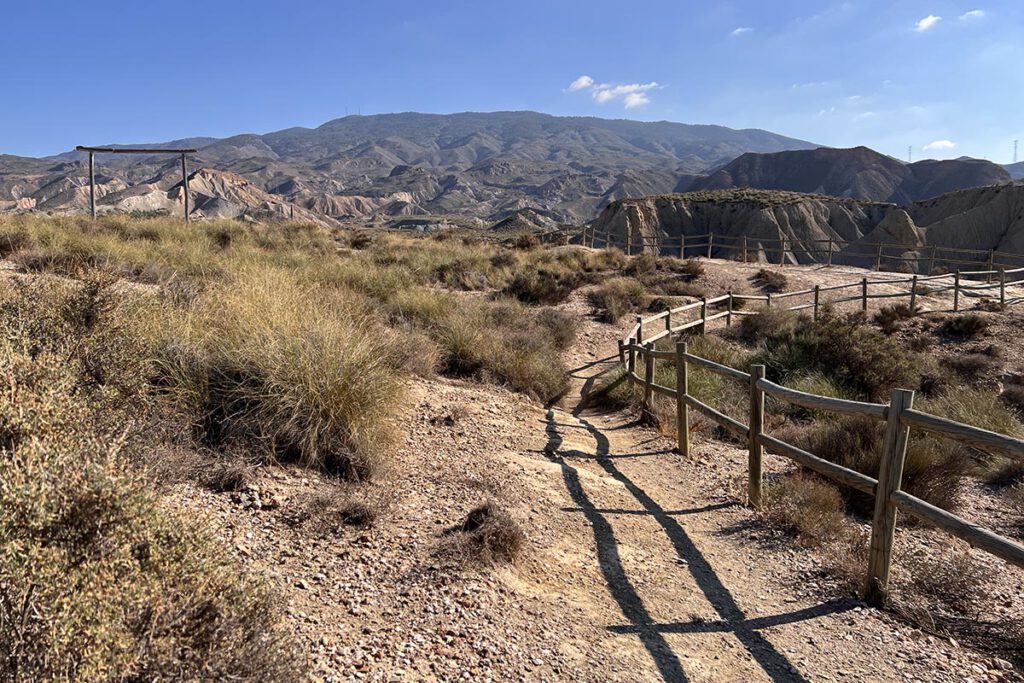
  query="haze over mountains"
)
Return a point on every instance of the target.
[{"x": 523, "y": 168}]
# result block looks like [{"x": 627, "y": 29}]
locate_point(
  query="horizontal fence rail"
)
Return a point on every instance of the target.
[
  {"x": 898, "y": 415},
  {"x": 831, "y": 251}
]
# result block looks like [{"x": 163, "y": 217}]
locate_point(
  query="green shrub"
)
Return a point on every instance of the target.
[
  {"x": 816, "y": 383},
  {"x": 889, "y": 317},
  {"x": 771, "y": 324},
  {"x": 855, "y": 355},
  {"x": 967, "y": 326},
  {"x": 934, "y": 470},
  {"x": 542, "y": 286}
]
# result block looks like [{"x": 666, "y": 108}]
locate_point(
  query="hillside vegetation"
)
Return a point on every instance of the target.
[{"x": 137, "y": 352}]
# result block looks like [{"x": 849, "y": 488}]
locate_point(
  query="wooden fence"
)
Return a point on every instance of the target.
[
  {"x": 898, "y": 415},
  {"x": 780, "y": 251}
]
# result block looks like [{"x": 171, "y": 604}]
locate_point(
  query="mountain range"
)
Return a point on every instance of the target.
[{"x": 507, "y": 168}]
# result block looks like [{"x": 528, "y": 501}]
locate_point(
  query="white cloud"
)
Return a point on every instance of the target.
[
  {"x": 636, "y": 99},
  {"x": 632, "y": 95},
  {"x": 972, "y": 14},
  {"x": 580, "y": 83},
  {"x": 927, "y": 23},
  {"x": 939, "y": 144},
  {"x": 865, "y": 115},
  {"x": 811, "y": 84},
  {"x": 736, "y": 32}
]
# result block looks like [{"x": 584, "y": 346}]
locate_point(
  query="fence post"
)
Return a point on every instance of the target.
[
  {"x": 878, "y": 258},
  {"x": 703, "y": 314},
  {"x": 864, "y": 295},
  {"x": 728, "y": 311},
  {"x": 756, "y": 450},
  {"x": 817, "y": 296},
  {"x": 744, "y": 249},
  {"x": 668, "y": 320},
  {"x": 830, "y": 252},
  {"x": 711, "y": 239},
  {"x": 931, "y": 261},
  {"x": 648, "y": 414},
  {"x": 768, "y": 303},
  {"x": 1002, "y": 286},
  {"x": 631, "y": 358},
  {"x": 956, "y": 290},
  {"x": 913, "y": 294},
  {"x": 682, "y": 410},
  {"x": 682, "y": 247},
  {"x": 890, "y": 472},
  {"x": 991, "y": 265},
  {"x": 622, "y": 352},
  {"x": 640, "y": 330}
]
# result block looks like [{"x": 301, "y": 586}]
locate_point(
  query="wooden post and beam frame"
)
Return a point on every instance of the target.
[{"x": 93, "y": 151}]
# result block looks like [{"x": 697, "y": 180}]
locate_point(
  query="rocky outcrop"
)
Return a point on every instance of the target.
[
  {"x": 764, "y": 218},
  {"x": 979, "y": 219}
]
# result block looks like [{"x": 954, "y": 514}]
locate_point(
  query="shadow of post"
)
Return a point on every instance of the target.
[{"x": 652, "y": 635}]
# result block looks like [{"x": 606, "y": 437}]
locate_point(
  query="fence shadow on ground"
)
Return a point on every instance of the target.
[{"x": 640, "y": 622}]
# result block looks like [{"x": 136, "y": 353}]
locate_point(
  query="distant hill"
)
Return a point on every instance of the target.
[
  {"x": 488, "y": 165},
  {"x": 1016, "y": 171},
  {"x": 859, "y": 173}
]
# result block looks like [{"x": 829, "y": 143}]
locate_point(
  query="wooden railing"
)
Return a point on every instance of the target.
[
  {"x": 898, "y": 415},
  {"x": 782, "y": 250}
]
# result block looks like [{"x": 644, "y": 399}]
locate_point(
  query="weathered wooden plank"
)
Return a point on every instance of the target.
[
  {"x": 973, "y": 436},
  {"x": 682, "y": 409},
  {"x": 119, "y": 150},
  {"x": 890, "y": 475},
  {"x": 846, "y": 477},
  {"x": 755, "y": 448},
  {"x": 736, "y": 427},
  {"x": 978, "y": 537},
  {"x": 718, "y": 368},
  {"x": 815, "y": 402}
]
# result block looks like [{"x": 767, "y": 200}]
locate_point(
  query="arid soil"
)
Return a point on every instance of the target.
[{"x": 639, "y": 565}]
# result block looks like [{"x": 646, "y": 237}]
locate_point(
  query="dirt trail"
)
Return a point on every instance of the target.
[{"x": 693, "y": 586}]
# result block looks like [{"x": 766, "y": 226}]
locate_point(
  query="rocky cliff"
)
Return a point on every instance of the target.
[{"x": 981, "y": 218}]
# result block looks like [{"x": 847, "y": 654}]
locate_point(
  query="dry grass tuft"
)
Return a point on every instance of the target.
[
  {"x": 1013, "y": 398},
  {"x": 304, "y": 372},
  {"x": 771, "y": 281},
  {"x": 806, "y": 507},
  {"x": 617, "y": 297},
  {"x": 98, "y": 576},
  {"x": 488, "y": 536}
]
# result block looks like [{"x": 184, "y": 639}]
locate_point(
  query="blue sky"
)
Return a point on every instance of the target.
[{"x": 942, "y": 76}]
